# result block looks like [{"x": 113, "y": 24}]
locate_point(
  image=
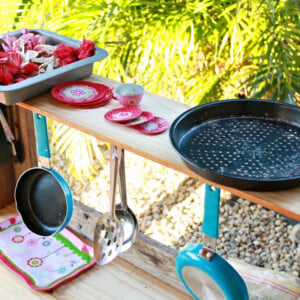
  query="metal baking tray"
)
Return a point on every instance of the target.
[{"x": 31, "y": 87}]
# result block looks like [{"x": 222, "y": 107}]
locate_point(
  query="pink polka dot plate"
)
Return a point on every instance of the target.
[
  {"x": 123, "y": 114},
  {"x": 143, "y": 118},
  {"x": 154, "y": 126}
]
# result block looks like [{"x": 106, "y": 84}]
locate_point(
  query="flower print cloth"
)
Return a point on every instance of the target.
[{"x": 43, "y": 262}]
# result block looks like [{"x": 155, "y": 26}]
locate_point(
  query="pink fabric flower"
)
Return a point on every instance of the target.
[
  {"x": 29, "y": 55},
  {"x": 27, "y": 41},
  {"x": 31, "y": 40},
  {"x": 5, "y": 77},
  {"x": 86, "y": 49},
  {"x": 11, "y": 67},
  {"x": 11, "y": 70},
  {"x": 8, "y": 41},
  {"x": 3, "y": 55},
  {"x": 65, "y": 54},
  {"x": 8, "y": 63},
  {"x": 15, "y": 58},
  {"x": 29, "y": 69}
]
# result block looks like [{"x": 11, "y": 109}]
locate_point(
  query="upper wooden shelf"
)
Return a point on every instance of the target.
[{"x": 158, "y": 147}]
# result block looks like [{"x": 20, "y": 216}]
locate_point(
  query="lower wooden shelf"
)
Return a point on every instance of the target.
[{"x": 116, "y": 280}]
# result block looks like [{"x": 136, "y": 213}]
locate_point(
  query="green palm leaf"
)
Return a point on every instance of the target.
[{"x": 191, "y": 51}]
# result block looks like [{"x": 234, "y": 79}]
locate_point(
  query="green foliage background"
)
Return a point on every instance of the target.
[{"x": 191, "y": 51}]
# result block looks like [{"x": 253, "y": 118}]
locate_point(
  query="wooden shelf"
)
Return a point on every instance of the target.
[
  {"x": 158, "y": 147},
  {"x": 127, "y": 271},
  {"x": 117, "y": 280}
]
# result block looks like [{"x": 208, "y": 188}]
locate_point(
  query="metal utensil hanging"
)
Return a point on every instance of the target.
[
  {"x": 123, "y": 212},
  {"x": 108, "y": 235}
]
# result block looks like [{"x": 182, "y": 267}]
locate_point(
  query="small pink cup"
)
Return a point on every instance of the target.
[{"x": 129, "y": 94}]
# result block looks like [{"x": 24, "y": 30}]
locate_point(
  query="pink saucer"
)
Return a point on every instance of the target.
[
  {"x": 154, "y": 126},
  {"x": 123, "y": 114},
  {"x": 143, "y": 118}
]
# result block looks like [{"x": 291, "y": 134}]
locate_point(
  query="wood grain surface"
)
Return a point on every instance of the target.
[
  {"x": 146, "y": 253},
  {"x": 115, "y": 281},
  {"x": 158, "y": 147}
]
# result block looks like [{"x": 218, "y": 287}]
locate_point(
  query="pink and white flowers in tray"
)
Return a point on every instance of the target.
[{"x": 29, "y": 55}]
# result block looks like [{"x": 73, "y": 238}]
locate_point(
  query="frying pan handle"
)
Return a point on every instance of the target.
[
  {"x": 210, "y": 225},
  {"x": 41, "y": 133}
]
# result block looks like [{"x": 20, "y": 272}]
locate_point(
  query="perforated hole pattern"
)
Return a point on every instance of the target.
[
  {"x": 245, "y": 147},
  {"x": 109, "y": 238}
]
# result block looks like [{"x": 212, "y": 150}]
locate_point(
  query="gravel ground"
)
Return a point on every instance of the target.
[{"x": 169, "y": 208}]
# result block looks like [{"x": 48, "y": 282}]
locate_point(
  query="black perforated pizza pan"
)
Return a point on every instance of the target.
[{"x": 246, "y": 143}]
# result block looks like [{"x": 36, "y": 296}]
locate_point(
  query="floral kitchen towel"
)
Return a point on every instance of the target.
[{"x": 43, "y": 262}]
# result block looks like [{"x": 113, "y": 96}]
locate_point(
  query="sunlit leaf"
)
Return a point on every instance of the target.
[{"x": 191, "y": 51}]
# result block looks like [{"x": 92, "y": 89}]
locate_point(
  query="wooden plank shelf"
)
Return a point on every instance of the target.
[
  {"x": 116, "y": 280},
  {"x": 158, "y": 147},
  {"x": 127, "y": 272}
]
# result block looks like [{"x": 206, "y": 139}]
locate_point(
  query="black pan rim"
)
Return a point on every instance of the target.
[
  {"x": 217, "y": 102},
  {"x": 229, "y": 180}
]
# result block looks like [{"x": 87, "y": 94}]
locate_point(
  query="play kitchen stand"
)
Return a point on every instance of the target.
[{"x": 147, "y": 254}]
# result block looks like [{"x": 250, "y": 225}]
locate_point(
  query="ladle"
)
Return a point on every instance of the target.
[
  {"x": 108, "y": 235},
  {"x": 124, "y": 213}
]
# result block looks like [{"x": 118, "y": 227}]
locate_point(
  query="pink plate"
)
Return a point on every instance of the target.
[
  {"x": 80, "y": 92},
  {"x": 154, "y": 126},
  {"x": 97, "y": 103},
  {"x": 123, "y": 114},
  {"x": 143, "y": 118}
]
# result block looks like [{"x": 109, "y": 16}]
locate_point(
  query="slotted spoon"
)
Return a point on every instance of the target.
[{"x": 108, "y": 235}]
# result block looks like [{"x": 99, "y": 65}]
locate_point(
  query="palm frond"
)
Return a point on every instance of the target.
[{"x": 191, "y": 51}]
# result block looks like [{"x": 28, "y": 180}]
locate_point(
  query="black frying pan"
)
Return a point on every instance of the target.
[
  {"x": 43, "y": 197},
  {"x": 247, "y": 143}
]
